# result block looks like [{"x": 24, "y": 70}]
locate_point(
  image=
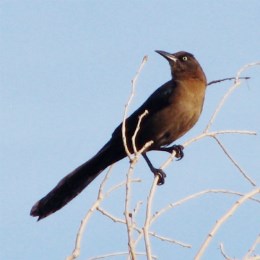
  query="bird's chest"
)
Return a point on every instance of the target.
[{"x": 180, "y": 116}]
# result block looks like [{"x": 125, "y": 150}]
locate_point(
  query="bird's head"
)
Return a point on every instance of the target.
[{"x": 184, "y": 65}]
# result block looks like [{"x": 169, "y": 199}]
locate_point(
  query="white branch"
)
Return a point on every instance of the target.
[{"x": 224, "y": 218}]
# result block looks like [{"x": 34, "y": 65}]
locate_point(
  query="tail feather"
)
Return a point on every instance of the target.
[{"x": 72, "y": 184}]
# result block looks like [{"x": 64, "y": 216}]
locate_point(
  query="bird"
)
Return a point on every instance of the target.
[{"x": 172, "y": 110}]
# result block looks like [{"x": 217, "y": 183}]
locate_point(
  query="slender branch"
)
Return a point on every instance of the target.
[
  {"x": 228, "y": 93},
  {"x": 139, "y": 230},
  {"x": 221, "y": 247},
  {"x": 194, "y": 196},
  {"x": 135, "y": 211},
  {"x": 133, "y": 161},
  {"x": 215, "y": 133},
  {"x": 220, "y": 222},
  {"x": 166, "y": 239},
  {"x": 129, "y": 224},
  {"x": 221, "y": 80},
  {"x": 128, "y": 214},
  {"x": 109, "y": 215},
  {"x": 203, "y": 135},
  {"x": 253, "y": 183},
  {"x": 252, "y": 248},
  {"x": 119, "y": 185},
  {"x": 100, "y": 197},
  {"x": 140, "y": 118},
  {"x": 118, "y": 254},
  {"x": 148, "y": 218},
  {"x": 134, "y": 80},
  {"x": 137, "y": 207}
]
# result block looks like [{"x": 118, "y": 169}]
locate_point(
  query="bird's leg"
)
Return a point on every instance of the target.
[
  {"x": 155, "y": 171},
  {"x": 177, "y": 148}
]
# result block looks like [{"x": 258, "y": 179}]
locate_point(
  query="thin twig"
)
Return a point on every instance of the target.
[
  {"x": 203, "y": 135},
  {"x": 109, "y": 215},
  {"x": 220, "y": 222},
  {"x": 128, "y": 214},
  {"x": 134, "y": 80},
  {"x": 119, "y": 185},
  {"x": 215, "y": 133},
  {"x": 140, "y": 231},
  {"x": 194, "y": 196},
  {"x": 140, "y": 118},
  {"x": 221, "y": 247},
  {"x": 221, "y": 80},
  {"x": 148, "y": 218},
  {"x": 252, "y": 248},
  {"x": 137, "y": 207},
  {"x": 228, "y": 93},
  {"x": 100, "y": 197},
  {"x": 166, "y": 239},
  {"x": 129, "y": 224},
  {"x": 235, "y": 163},
  {"x": 118, "y": 254},
  {"x": 135, "y": 211}
]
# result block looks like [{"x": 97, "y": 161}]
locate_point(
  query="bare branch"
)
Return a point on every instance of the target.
[
  {"x": 235, "y": 163},
  {"x": 137, "y": 207},
  {"x": 121, "y": 221},
  {"x": 194, "y": 196},
  {"x": 128, "y": 214},
  {"x": 101, "y": 196},
  {"x": 148, "y": 218},
  {"x": 118, "y": 254},
  {"x": 221, "y": 247},
  {"x": 76, "y": 251},
  {"x": 140, "y": 118},
  {"x": 134, "y": 80},
  {"x": 252, "y": 248},
  {"x": 119, "y": 185},
  {"x": 109, "y": 215},
  {"x": 173, "y": 241},
  {"x": 221, "y": 80},
  {"x": 215, "y": 133},
  {"x": 228, "y": 93},
  {"x": 203, "y": 135},
  {"x": 133, "y": 161},
  {"x": 220, "y": 222},
  {"x": 128, "y": 220}
]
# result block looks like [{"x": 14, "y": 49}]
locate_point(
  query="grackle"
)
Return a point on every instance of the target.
[{"x": 173, "y": 109}]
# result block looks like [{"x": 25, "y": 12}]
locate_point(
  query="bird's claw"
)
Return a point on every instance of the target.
[
  {"x": 178, "y": 150},
  {"x": 161, "y": 176}
]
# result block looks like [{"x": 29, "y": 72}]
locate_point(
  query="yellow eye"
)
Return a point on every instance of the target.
[{"x": 184, "y": 58}]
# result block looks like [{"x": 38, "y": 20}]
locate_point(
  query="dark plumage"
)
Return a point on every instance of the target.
[{"x": 173, "y": 109}]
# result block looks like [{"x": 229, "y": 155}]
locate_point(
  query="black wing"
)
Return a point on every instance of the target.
[{"x": 159, "y": 99}]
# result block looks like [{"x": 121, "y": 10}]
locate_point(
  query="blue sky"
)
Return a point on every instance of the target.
[{"x": 66, "y": 70}]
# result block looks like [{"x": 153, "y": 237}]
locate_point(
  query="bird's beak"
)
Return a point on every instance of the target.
[{"x": 167, "y": 56}]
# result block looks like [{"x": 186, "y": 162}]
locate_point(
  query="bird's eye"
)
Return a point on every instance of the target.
[{"x": 184, "y": 58}]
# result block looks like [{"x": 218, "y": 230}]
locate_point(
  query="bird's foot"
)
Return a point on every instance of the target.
[
  {"x": 157, "y": 172},
  {"x": 177, "y": 148},
  {"x": 161, "y": 175}
]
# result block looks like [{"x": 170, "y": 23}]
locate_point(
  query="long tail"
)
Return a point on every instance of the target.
[{"x": 72, "y": 184}]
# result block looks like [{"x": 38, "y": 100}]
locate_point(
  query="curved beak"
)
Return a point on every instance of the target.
[{"x": 167, "y": 56}]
